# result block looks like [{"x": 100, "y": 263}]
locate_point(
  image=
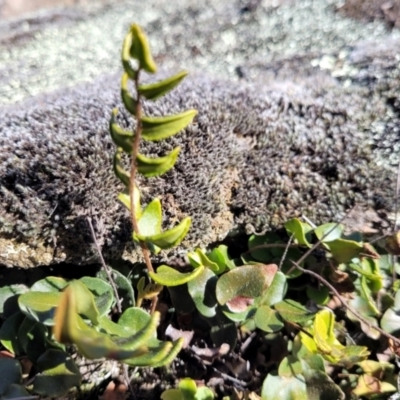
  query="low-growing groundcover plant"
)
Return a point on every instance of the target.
[{"x": 310, "y": 312}]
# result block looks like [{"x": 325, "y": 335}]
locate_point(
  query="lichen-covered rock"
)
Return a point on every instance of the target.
[{"x": 311, "y": 133}]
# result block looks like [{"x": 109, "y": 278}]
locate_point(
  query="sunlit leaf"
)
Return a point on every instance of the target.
[
  {"x": 157, "y": 128},
  {"x": 276, "y": 387},
  {"x": 140, "y": 49},
  {"x": 121, "y": 137},
  {"x": 153, "y": 91},
  {"x": 168, "y": 276},
  {"x": 125, "y": 199},
  {"x": 276, "y": 291},
  {"x": 169, "y": 238},
  {"x": 292, "y": 311},
  {"x": 9, "y": 299},
  {"x": 40, "y": 305},
  {"x": 49, "y": 284},
  {"x": 156, "y": 166},
  {"x": 129, "y": 102},
  {"x": 363, "y": 307},
  {"x": 202, "y": 290},
  {"x": 268, "y": 319},
  {"x": 220, "y": 256},
  {"x": 247, "y": 281},
  {"x": 103, "y": 295},
  {"x": 119, "y": 171},
  {"x": 198, "y": 257},
  {"x": 329, "y": 232},
  {"x": 300, "y": 230},
  {"x": 149, "y": 223},
  {"x": 344, "y": 250}
]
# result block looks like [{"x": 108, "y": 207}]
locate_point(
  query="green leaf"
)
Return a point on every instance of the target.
[
  {"x": 23, "y": 331},
  {"x": 70, "y": 328},
  {"x": 243, "y": 317},
  {"x": 270, "y": 249},
  {"x": 222, "y": 330},
  {"x": 158, "y": 89},
  {"x": 10, "y": 373},
  {"x": 150, "y": 222},
  {"x": 247, "y": 281},
  {"x": 332, "y": 231},
  {"x": 85, "y": 303},
  {"x": 129, "y": 102},
  {"x": 188, "y": 388},
  {"x": 121, "y": 137},
  {"x": 9, "y": 333},
  {"x": 198, "y": 258},
  {"x": 158, "y": 128},
  {"x": 135, "y": 319},
  {"x": 276, "y": 387},
  {"x": 319, "y": 295},
  {"x": 124, "y": 286},
  {"x": 58, "y": 374},
  {"x": 324, "y": 342},
  {"x": 150, "y": 167},
  {"x": 344, "y": 250},
  {"x": 40, "y": 305},
  {"x": 140, "y": 49},
  {"x": 289, "y": 367},
  {"x": 300, "y": 230},
  {"x": 276, "y": 291},
  {"x": 130, "y": 71},
  {"x": 152, "y": 357},
  {"x": 169, "y": 238},
  {"x": 293, "y": 311},
  {"x": 16, "y": 392},
  {"x": 168, "y": 276},
  {"x": 171, "y": 356},
  {"x": 125, "y": 199},
  {"x": 361, "y": 305},
  {"x": 171, "y": 394},
  {"x": 220, "y": 256},
  {"x": 320, "y": 386},
  {"x": 9, "y": 298},
  {"x": 202, "y": 290},
  {"x": 267, "y": 319},
  {"x": 37, "y": 343},
  {"x": 119, "y": 171},
  {"x": 103, "y": 295},
  {"x": 52, "y": 284}
]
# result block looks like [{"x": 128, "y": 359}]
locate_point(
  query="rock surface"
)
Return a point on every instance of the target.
[{"x": 298, "y": 115}]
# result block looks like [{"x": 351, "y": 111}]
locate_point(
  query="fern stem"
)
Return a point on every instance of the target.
[{"x": 135, "y": 151}]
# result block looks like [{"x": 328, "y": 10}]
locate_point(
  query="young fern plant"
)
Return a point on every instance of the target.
[{"x": 136, "y": 57}]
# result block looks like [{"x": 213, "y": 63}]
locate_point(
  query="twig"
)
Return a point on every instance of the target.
[
  {"x": 128, "y": 380},
  {"x": 344, "y": 303},
  {"x": 135, "y": 151},
  {"x": 106, "y": 269},
  {"x": 247, "y": 342},
  {"x": 285, "y": 252}
]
